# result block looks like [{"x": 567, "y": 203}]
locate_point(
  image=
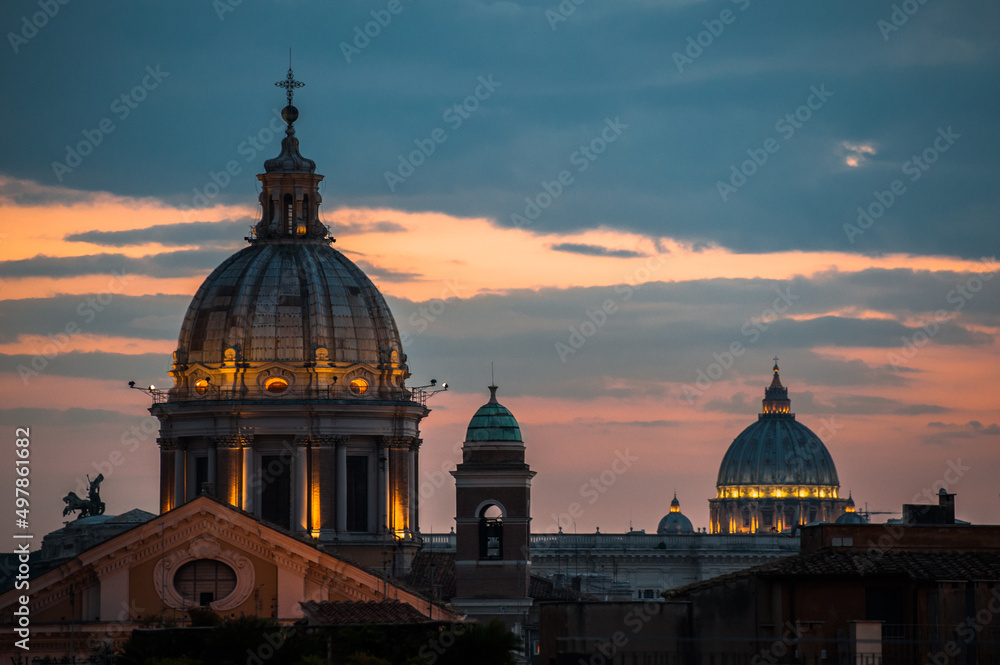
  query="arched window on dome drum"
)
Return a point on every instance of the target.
[
  {"x": 305, "y": 209},
  {"x": 289, "y": 215},
  {"x": 490, "y": 533}
]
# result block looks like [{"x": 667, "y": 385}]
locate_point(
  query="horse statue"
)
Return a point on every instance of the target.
[{"x": 89, "y": 506}]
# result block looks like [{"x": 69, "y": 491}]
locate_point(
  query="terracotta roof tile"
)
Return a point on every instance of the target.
[
  {"x": 827, "y": 562},
  {"x": 331, "y": 613}
]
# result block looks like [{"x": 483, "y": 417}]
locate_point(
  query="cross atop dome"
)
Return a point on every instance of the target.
[{"x": 289, "y": 83}]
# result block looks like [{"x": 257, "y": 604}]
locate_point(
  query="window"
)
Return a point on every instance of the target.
[
  {"x": 201, "y": 386},
  {"x": 289, "y": 215},
  {"x": 276, "y": 490},
  {"x": 357, "y": 493},
  {"x": 201, "y": 478},
  {"x": 275, "y": 385},
  {"x": 359, "y": 386},
  {"x": 204, "y": 581},
  {"x": 491, "y": 533}
]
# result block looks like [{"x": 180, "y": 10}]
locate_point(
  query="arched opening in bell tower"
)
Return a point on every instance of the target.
[{"x": 491, "y": 531}]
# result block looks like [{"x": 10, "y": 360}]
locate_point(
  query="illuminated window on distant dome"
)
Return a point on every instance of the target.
[
  {"x": 201, "y": 386},
  {"x": 276, "y": 385},
  {"x": 359, "y": 386}
]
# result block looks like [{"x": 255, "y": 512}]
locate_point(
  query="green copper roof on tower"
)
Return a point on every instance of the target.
[{"x": 493, "y": 422}]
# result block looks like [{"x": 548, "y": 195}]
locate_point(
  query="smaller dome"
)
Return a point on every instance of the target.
[
  {"x": 850, "y": 518},
  {"x": 674, "y": 522},
  {"x": 493, "y": 422}
]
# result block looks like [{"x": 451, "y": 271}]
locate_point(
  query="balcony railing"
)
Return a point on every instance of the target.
[
  {"x": 292, "y": 393},
  {"x": 550, "y": 543}
]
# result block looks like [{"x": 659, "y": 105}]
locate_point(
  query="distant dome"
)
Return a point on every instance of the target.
[
  {"x": 493, "y": 422},
  {"x": 281, "y": 301},
  {"x": 776, "y": 474},
  {"x": 850, "y": 518},
  {"x": 777, "y": 449},
  {"x": 674, "y": 522}
]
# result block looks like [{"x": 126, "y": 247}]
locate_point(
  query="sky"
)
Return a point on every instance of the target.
[{"x": 626, "y": 208}]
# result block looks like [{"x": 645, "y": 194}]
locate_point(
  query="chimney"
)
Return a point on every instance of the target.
[{"x": 947, "y": 503}]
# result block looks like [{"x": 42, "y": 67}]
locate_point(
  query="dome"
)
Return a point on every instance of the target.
[
  {"x": 777, "y": 449},
  {"x": 850, "y": 518},
  {"x": 289, "y": 316},
  {"x": 674, "y": 522},
  {"x": 283, "y": 301},
  {"x": 493, "y": 422}
]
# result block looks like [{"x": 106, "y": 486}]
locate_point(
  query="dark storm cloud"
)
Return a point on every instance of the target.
[
  {"x": 181, "y": 263},
  {"x": 227, "y": 234},
  {"x": 206, "y": 128},
  {"x": 595, "y": 250},
  {"x": 145, "y": 317}
]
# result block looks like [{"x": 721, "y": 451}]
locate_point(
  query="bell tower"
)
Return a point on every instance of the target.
[{"x": 493, "y": 518}]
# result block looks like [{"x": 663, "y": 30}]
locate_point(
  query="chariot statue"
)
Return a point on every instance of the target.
[{"x": 92, "y": 505}]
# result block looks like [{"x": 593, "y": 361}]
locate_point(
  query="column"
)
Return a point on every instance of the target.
[
  {"x": 249, "y": 487},
  {"x": 381, "y": 488},
  {"x": 180, "y": 496},
  {"x": 323, "y": 477},
  {"x": 411, "y": 489},
  {"x": 342, "y": 487},
  {"x": 301, "y": 490},
  {"x": 212, "y": 464},
  {"x": 168, "y": 446}
]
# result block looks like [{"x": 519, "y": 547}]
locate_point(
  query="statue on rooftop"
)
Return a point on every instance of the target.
[{"x": 92, "y": 505}]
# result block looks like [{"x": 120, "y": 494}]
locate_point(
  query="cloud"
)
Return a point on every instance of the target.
[
  {"x": 948, "y": 432},
  {"x": 180, "y": 263},
  {"x": 145, "y": 317},
  {"x": 359, "y": 228},
  {"x": 73, "y": 417},
  {"x": 659, "y": 178},
  {"x": 856, "y": 154},
  {"x": 386, "y": 274},
  {"x": 227, "y": 233},
  {"x": 20, "y": 192},
  {"x": 596, "y": 250},
  {"x": 92, "y": 365}
]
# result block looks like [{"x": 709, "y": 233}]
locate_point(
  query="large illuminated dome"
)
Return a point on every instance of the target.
[
  {"x": 289, "y": 398},
  {"x": 775, "y": 474},
  {"x": 288, "y": 298}
]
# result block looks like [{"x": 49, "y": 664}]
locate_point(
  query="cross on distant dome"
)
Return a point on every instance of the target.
[
  {"x": 289, "y": 84},
  {"x": 775, "y": 358}
]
